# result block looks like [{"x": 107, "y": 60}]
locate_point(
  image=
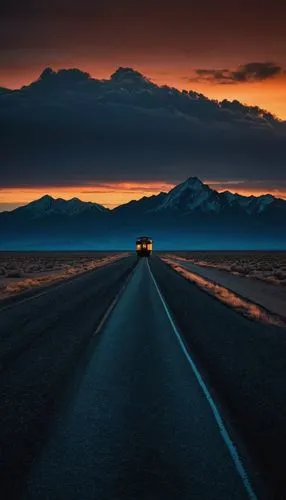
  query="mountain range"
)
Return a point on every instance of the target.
[{"x": 190, "y": 216}]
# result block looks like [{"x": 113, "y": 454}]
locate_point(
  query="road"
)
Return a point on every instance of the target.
[
  {"x": 42, "y": 339},
  {"x": 135, "y": 411}
]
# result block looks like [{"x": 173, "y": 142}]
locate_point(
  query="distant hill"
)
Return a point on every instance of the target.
[
  {"x": 191, "y": 215},
  {"x": 48, "y": 206}
]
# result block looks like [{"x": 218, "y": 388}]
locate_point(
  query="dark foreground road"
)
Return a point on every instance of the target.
[
  {"x": 139, "y": 425},
  {"x": 41, "y": 342},
  {"x": 136, "y": 419}
]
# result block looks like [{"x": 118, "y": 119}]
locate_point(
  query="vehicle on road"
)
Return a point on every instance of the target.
[{"x": 144, "y": 246}]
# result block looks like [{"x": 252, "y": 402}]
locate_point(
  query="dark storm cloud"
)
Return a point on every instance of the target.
[
  {"x": 250, "y": 72},
  {"x": 256, "y": 71},
  {"x": 70, "y": 129}
]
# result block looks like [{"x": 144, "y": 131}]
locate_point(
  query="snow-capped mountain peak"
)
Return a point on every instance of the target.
[
  {"x": 193, "y": 195},
  {"x": 194, "y": 183},
  {"x": 190, "y": 184},
  {"x": 47, "y": 205},
  {"x": 39, "y": 206},
  {"x": 250, "y": 204},
  {"x": 190, "y": 195}
]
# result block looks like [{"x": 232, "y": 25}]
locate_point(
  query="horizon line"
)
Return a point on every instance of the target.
[{"x": 148, "y": 188}]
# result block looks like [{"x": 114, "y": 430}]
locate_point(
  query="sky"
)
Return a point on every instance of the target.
[{"x": 224, "y": 50}]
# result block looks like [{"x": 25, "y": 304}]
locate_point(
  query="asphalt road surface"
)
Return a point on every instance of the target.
[{"x": 143, "y": 407}]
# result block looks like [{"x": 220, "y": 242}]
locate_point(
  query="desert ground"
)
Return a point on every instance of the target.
[
  {"x": 269, "y": 267},
  {"x": 21, "y": 271},
  {"x": 253, "y": 283}
]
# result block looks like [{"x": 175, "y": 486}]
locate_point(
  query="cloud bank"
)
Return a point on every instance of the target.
[
  {"x": 250, "y": 72},
  {"x": 67, "y": 128}
]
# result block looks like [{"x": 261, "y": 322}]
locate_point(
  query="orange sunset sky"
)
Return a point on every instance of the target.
[{"x": 167, "y": 42}]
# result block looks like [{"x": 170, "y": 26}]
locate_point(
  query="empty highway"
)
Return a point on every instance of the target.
[{"x": 154, "y": 392}]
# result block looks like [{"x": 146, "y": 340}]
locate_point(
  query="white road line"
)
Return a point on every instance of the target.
[{"x": 224, "y": 433}]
